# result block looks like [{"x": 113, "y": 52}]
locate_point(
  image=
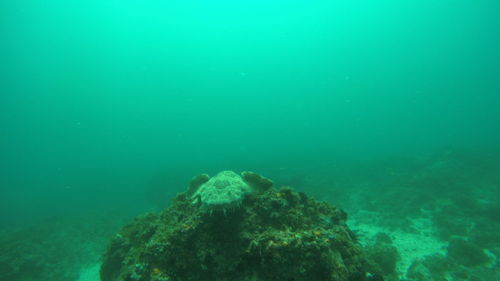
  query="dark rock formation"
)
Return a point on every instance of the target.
[{"x": 275, "y": 235}]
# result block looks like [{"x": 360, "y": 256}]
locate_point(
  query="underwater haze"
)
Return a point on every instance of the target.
[{"x": 112, "y": 106}]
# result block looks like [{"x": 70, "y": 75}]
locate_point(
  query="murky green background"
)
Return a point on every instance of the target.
[{"x": 106, "y": 103}]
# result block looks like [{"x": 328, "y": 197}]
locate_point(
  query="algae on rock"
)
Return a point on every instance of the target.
[{"x": 269, "y": 235}]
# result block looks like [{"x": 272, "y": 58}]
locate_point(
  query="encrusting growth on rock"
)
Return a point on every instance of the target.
[
  {"x": 196, "y": 182},
  {"x": 268, "y": 235},
  {"x": 257, "y": 182}
]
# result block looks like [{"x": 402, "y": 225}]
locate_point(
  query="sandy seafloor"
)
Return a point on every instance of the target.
[
  {"x": 411, "y": 246},
  {"x": 90, "y": 273}
]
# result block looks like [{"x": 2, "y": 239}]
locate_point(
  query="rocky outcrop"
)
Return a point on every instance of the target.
[{"x": 273, "y": 235}]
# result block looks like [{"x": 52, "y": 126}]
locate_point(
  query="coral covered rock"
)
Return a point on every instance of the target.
[
  {"x": 196, "y": 182},
  {"x": 256, "y": 181},
  {"x": 276, "y": 235}
]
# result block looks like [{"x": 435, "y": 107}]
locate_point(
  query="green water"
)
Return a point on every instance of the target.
[{"x": 119, "y": 103}]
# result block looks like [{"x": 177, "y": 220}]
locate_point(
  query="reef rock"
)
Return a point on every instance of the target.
[
  {"x": 256, "y": 181},
  {"x": 196, "y": 182},
  {"x": 273, "y": 235}
]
